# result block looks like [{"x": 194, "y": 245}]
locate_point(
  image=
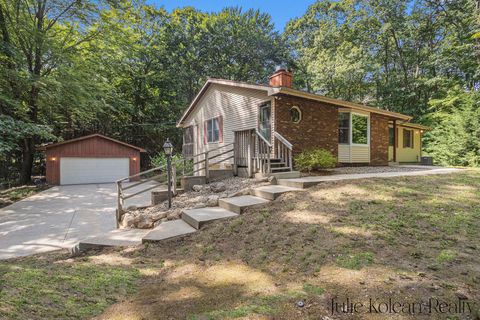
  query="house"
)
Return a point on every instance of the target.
[
  {"x": 271, "y": 123},
  {"x": 90, "y": 159}
]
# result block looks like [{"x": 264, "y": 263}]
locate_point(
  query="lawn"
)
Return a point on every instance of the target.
[
  {"x": 12, "y": 195},
  {"x": 411, "y": 240}
]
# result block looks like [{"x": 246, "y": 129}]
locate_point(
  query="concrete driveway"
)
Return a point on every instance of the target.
[{"x": 59, "y": 217}]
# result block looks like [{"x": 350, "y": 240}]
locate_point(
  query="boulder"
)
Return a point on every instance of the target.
[
  {"x": 243, "y": 192},
  {"x": 212, "y": 201},
  {"x": 128, "y": 221},
  {"x": 158, "y": 215},
  {"x": 218, "y": 187},
  {"x": 144, "y": 222},
  {"x": 272, "y": 180},
  {"x": 197, "y": 188}
]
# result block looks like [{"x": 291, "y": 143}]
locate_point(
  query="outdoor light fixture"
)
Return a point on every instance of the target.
[
  {"x": 134, "y": 158},
  {"x": 53, "y": 158},
  {"x": 168, "y": 148}
]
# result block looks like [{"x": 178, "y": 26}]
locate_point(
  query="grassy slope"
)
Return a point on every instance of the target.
[
  {"x": 406, "y": 238},
  {"x": 12, "y": 195}
]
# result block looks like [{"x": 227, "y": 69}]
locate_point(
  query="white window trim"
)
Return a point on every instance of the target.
[
  {"x": 206, "y": 131},
  {"x": 350, "y": 138}
]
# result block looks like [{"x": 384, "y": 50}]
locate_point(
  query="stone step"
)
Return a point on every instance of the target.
[
  {"x": 273, "y": 191},
  {"x": 114, "y": 238},
  {"x": 168, "y": 230},
  {"x": 198, "y": 217},
  {"x": 239, "y": 204}
]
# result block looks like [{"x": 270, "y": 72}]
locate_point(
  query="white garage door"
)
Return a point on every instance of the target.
[{"x": 92, "y": 170}]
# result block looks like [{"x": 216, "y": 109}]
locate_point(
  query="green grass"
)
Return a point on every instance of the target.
[
  {"x": 18, "y": 193},
  {"x": 446, "y": 256},
  {"x": 42, "y": 290},
  {"x": 355, "y": 261}
]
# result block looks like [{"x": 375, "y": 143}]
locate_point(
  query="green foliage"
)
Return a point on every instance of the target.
[
  {"x": 315, "y": 160},
  {"x": 183, "y": 165},
  {"x": 455, "y": 139},
  {"x": 446, "y": 256}
]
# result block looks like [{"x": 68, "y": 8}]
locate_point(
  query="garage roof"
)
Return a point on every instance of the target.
[{"x": 90, "y": 137}]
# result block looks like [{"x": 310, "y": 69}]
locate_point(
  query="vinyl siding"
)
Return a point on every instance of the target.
[{"x": 237, "y": 106}]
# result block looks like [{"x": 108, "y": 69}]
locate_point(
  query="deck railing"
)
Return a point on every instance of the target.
[{"x": 283, "y": 150}]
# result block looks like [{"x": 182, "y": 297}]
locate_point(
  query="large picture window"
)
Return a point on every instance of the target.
[
  {"x": 407, "y": 138},
  {"x": 213, "y": 130},
  {"x": 359, "y": 129},
  {"x": 343, "y": 127}
]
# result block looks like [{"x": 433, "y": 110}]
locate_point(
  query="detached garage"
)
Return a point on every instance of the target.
[{"x": 91, "y": 159}]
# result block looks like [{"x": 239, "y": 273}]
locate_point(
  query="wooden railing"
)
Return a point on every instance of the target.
[
  {"x": 263, "y": 153},
  {"x": 203, "y": 161},
  {"x": 149, "y": 180},
  {"x": 283, "y": 150}
]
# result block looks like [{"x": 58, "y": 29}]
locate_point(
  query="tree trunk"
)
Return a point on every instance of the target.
[{"x": 27, "y": 160}]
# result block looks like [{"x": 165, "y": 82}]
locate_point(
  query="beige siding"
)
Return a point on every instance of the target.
[
  {"x": 344, "y": 153},
  {"x": 238, "y": 106},
  {"x": 360, "y": 154},
  {"x": 353, "y": 153}
]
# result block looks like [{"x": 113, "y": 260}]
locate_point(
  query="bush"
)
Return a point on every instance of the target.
[
  {"x": 161, "y": 160},
  {"x": 314, "y": 160}
]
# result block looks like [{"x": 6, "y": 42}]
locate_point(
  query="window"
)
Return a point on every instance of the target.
[
  {"x": 359, "y": 129},
  {"x": 391, "y": 137},
  {"x": 213, "y": 130},
  {"x": 264, "y": 122},
  {"x": 343, "y": 127},
  {"x": 295, "y": 114},
  {"x": 407, "y": 138}
]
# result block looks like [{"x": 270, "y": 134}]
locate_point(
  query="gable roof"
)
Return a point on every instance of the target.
[
  {"x": 90, "y": 137},
  {"x": 288, "y": 91}
]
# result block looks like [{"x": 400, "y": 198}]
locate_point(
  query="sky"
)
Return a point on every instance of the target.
[{"x": 281, "y": 11}]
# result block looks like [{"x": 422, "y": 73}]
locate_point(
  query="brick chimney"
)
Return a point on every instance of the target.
[{"x": 281, "y": 78}]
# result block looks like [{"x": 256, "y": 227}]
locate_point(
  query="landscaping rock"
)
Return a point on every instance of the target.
[
  {"x": 144, "y": 223},
  {"x": 272, "y": 180},
  {"x": 218, "y": 187},
  {"x": 197, "y": 188},
  {"x": 158, "y": 215},
  {"x": 212, "y": 201},
  {"x": 128, "y": 221}
]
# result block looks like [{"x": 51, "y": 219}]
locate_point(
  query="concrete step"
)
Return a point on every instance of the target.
[
  {"x": 168, "y": 230},
  {"x": 283, "y": 169},
  {"x": 198, "y": 217},
  {"x": 114, "y": 238},
  {"x": 286, "y": 175},
  {"x": 273, "y": 191},
  {"x": 239, "y": 204},
  {"x": 301, "y": 183}
]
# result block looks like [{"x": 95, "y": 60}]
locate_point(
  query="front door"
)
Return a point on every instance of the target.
[{"x": 264, "y": 121}]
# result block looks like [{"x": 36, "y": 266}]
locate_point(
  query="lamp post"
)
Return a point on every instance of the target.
[{"x": 168, "y": 149}]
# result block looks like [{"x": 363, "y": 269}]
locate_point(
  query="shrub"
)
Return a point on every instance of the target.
[
  {"x": 161, "y": 160},
  {"x": 314, "y": 160}
]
